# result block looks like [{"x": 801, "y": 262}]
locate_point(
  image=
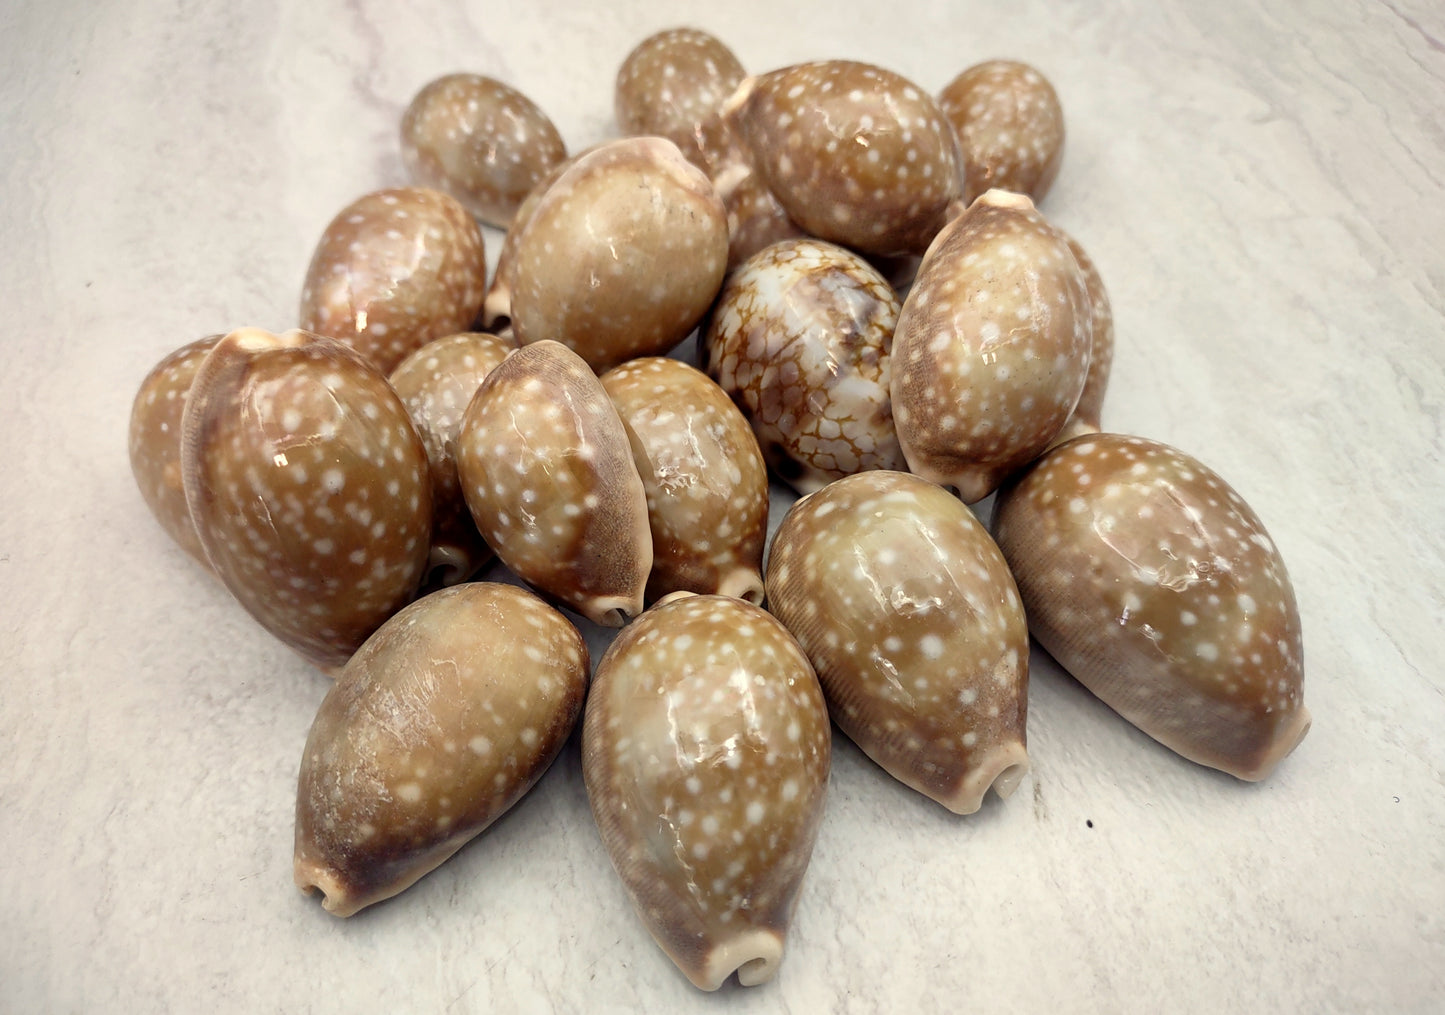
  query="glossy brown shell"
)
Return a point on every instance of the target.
[
  {"x": 673, "y": 85},
  {"x": 308, "y": 486},
  {"x": 856, "y": 154},
  {"x": 394, "y": 270},
  {"x": 908, "y": 613},
  {"x": 155, "y": 441},
  {"x": 1150, "y": 580},
  {"x": 436, "y": 384},
  {"x": 705, "y": 479},
  {"x": 481, "y": 141},
  {"x": 548, "y": 474},
  {"x": 1010, "y": 127},
  {"x": 992, "y": 346},
  {"x": 705, "y": 750},
  {"x": 1087, "y": 413},
  {"x": 441, "y": 722},
  {"x": 622, "y": 255}
]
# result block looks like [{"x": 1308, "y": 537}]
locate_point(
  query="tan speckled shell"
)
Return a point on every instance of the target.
[
  {"x": 394, "y": 270},
  {"x": 440, "y": 723},
  {"x": 908, "y": 613},
  {"x": 1087, "y": 413},
  {"x": 673, "y": 85},
  {"x": 856, "y": 154},
  {"x": 800, "y": 339},
  {"x": 481, "y": 141},
  {"x": 706, "y": 483},
  {"x": 992, "y": 346},
  {"x": 548, "y": 474},
  {"x": 705, "y": 750},
  {"x": 308, "y": 486},
  {"x": 497, "y": 306},
  {"x": 436, "y": 384},
  {"x": 1151, "y": 581},
  {"x": 1010, "y": 127},
  {"x": 756, "y": 219},
  {"x": 155, "y": 441},
  {"x": 622, "y": 256}
]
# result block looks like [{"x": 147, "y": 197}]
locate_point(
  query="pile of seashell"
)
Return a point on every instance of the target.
[{"x": 347, "y": 480}]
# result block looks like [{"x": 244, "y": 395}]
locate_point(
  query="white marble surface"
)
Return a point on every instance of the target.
[{"x": 1262, "y": 189}]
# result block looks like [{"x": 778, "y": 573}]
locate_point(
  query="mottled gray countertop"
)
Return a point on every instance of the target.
[{"x": 1263, "y": 189}]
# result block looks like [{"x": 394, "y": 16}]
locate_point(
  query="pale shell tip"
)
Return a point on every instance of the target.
[
  {"x": 335, "y": 898},
  {"x": 1002, "y": 768},
  {"x": 753, "y": 954},
  {"x": 1283, "y": 746},
  {"x": 450, "y": 564},
  {"x": 742, "y": 583},
  {"x": 612, "y": 611}
]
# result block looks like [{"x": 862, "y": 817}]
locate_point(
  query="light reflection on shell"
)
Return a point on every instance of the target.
[
  {"x": 706, "y": 483},
  {"x": 1151, "y": 581},
  {"x": 308, "y": 486},
  {"x": 800, "y": 338},
  {"x": 705, "y": 750},
  {"x": 907, "y": 611},
  {"x": 441, "y": 722}
]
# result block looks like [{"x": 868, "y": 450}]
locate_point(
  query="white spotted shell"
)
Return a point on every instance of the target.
[
  {"x": 706, "y": 483},
  {"x": 992, "y": 346},
  {"x": 1151, "y": 581},
  {"x": 155, "y": 441},
  {"x": 622, "y": 255},
  {"x": 673, "y": 85},
  {"x": 481, "y": 141},
  {"x": 1010, "y": 127},
  {"x": 308, "y": 487},
  {"x": 436, "y": 384},
  {"x": 909, "y": 614},
  {"x": 856, "y": 154},
  {"x": 548, "y": 474},
  {"x": 1086, "y": 416},
  {"x": 705, "y": 749},
  {"x": 800, "y": 339},
  {"x": 441, "y": 722},
  {"x": 394, "y": 270}
]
